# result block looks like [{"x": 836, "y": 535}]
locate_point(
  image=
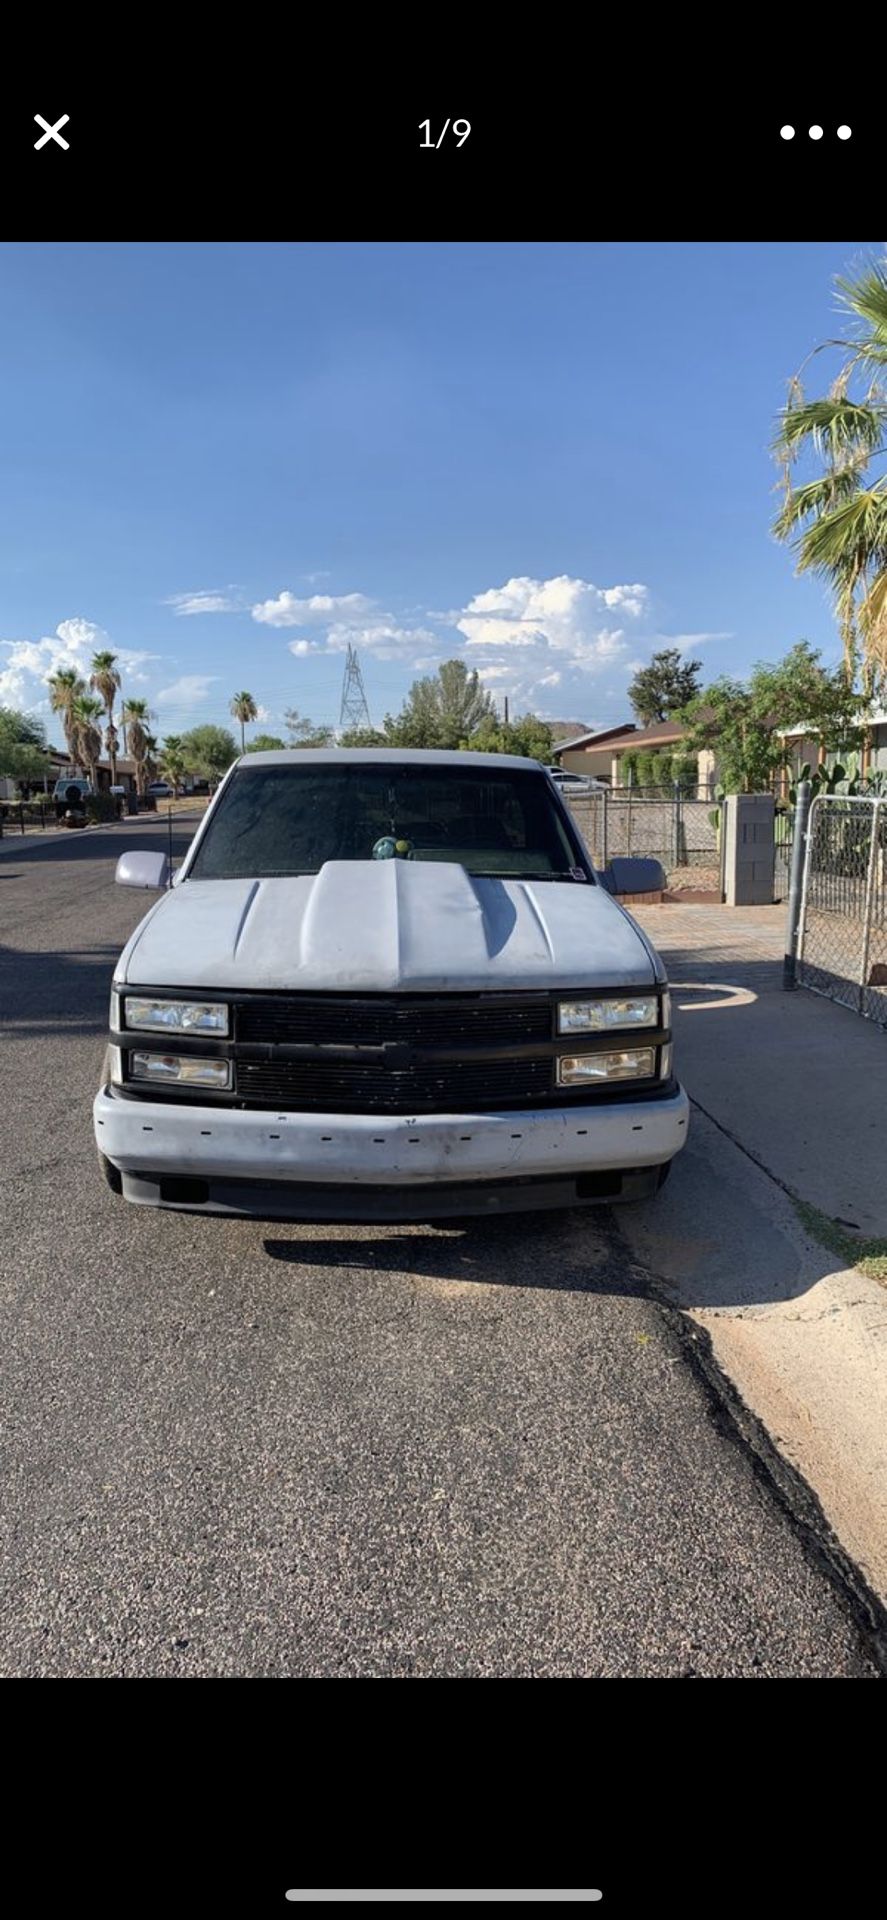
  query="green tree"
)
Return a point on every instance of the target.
[
  {"x": 152, "y": 750},
  {"x": 837, "y": 521},
  {"x": 105, "y": 681},
  {"x": 65, "y": 689},
  {"x": 528, "y": 736},
  {"x": 685, "y": 772},
  {"x": 209, "y": 751},
  {"x": 306, "y": 733},
  {"x": 244, "y": 709},
  {"x": 172, "y": 761},
  {"x": 443, "y": 709},
  {"x": 364, "y": 737},
  {"x": 665, "y": 686},
  {"x": 741, "y": 721},
  {"x": 85, "y": 711},
  {"x": 22, "y": 746},
  {"x": 266, "y": 743},
  {"x": 135, "y": 715}
]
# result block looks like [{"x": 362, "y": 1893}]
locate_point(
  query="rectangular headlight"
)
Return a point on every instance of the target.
[
  {"x": 577, "y": 1069},
  {"x": 180, "y": 1070},
  {"x": 599, "y": 1016},
  {"x": 175, "y": 1016}
]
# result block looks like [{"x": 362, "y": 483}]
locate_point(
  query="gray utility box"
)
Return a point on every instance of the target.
[{"x": 749, "y": 849}]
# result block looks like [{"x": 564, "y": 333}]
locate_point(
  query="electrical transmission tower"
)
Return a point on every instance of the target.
[{"x": 354, "y": 711}]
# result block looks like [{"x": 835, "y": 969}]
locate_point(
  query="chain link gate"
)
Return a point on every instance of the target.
[
  {"x": 678, "y": 831},
  {"x": 842, "y": 934}
]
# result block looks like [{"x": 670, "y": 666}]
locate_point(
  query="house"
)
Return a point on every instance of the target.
[
  {"x": 59, "y": 763},
  {"x": 599, "y": 755},
  {"x": 866, "y": 753}
]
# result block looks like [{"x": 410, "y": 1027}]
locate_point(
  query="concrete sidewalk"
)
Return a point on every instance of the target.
[
  {"x": 798, "y": 1084},
  {"x": 797, "y": 1081}
]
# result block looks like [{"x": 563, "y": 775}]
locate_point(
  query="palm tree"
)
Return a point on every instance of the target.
[
  {"x": 838, "y": 521},
  {"x": 172, "y": 761},
  {"x": 86, "y": 710},
  {"x": 111, "y": 739},
  {"x": 243, "y": 708},
  {"x": 65, "y": 689},
  {"x": 105, "y": 679},
  {"x": 152, "y": 749},
  {"x": 135, "y": 714}
]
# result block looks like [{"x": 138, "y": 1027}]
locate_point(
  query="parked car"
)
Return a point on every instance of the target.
[
  {"x": 70, "y": 794},
  {"x": 575, "y": 782},
  {"x": 160, "y": 790},
  {"x": 387, "y": 985}
]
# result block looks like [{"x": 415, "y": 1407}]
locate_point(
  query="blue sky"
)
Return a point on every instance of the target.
[{"x": 232, "y": 460}]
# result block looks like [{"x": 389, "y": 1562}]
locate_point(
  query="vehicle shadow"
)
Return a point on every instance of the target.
[
  {"x": 578, "y": 1251},
  {"x": 723, "y": 1234}
]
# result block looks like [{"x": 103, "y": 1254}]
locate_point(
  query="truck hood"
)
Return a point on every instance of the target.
[{"x": 379, "y": 926}]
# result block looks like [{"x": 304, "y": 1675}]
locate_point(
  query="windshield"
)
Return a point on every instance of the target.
[{"x": 279, "y": 821}]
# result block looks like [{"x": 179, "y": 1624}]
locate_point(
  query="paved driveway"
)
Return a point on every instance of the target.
[{"x": 237, "y": 1450}]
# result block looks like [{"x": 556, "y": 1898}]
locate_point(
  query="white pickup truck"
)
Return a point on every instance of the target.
[{"x": 386, "y": 985}]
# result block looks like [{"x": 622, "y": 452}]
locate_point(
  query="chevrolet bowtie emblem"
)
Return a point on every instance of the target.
[{"x": 397, "y": 1054}]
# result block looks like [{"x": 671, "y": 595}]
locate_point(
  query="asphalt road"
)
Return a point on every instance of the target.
[{"x": 230, "y": 1449}]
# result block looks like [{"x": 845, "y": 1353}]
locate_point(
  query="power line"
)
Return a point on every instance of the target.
[{"x": 354, "y": 711}]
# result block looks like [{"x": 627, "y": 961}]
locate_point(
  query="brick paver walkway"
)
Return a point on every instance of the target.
[{"x": 735, "y": 946}]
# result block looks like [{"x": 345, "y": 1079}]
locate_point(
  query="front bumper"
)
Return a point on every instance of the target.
[{"x": 328, "y": 1166}]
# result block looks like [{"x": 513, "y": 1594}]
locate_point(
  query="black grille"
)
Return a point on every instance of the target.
[
  {"x": 327, "y": 1086},
  {"x": 367, "y": 1083},
  {"x": 479, "y": 1020}
]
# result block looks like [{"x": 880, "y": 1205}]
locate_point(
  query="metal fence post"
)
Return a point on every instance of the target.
[
  {"x": 869, "y": 900},
  {"x": 796, "y": 888},
  {"x": 604, "y": 836}
]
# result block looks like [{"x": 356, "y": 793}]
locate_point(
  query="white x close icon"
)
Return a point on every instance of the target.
[{"x": 52, "y": 133}]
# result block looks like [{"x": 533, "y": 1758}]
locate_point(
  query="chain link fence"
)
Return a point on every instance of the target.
[
  {"x": 679, "y": 832},
  {"x": 842, "y": 941}
]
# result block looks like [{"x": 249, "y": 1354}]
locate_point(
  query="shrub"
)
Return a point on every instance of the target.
[
  {"x": 101, "y": 806},
  {"x": 685, "y": 771}
]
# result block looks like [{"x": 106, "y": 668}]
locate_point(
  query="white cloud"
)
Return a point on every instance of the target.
[
  {"x": 30, "y": 663},
  {"x": 561, "y": 615},
  {"x": 543, "y": 642},
  {"x": 188, "y": 691},
  {"x": 206, "y": 601},
  {"x": 688, "y": 642},
  {"x": 288, "y": 611},
  {"x": 387, "y": 641}
]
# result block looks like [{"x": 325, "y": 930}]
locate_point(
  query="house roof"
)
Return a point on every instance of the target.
[
  {"x": 628, "y": 735},
  {"x": 658, "y": 735},
  {"x": 598, "y": 739},
  {"x": 877, "y": 718}
]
